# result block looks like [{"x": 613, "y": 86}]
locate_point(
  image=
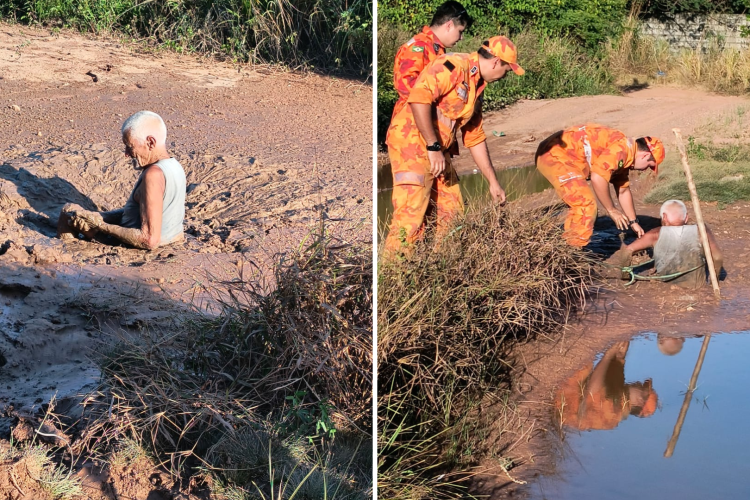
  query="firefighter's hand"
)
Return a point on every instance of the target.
[
  {"x": 437, "y": 162},
  {"x": 619, "y": 218},
  {"x": 498, "y": 193},
  {"x": 637, "y": 229}
]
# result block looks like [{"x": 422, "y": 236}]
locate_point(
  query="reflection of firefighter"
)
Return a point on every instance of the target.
[
  {"x": 444, "y": 100},
  {"x": 598, "y": 397},
  {"x": 569, "y": 157}
]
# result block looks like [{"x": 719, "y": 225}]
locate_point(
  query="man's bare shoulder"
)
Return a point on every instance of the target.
[{"x": 153, "y": 175}]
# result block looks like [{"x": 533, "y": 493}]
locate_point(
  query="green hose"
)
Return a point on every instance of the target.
[{"x": 637, "y": 277}]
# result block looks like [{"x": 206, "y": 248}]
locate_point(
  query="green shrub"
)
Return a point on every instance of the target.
[{"x": 589, "y": 22}]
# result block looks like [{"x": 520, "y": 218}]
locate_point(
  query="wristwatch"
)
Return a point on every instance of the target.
[
  {"x": 634, "y": 221},
  {"x": 435, "y": 147}
]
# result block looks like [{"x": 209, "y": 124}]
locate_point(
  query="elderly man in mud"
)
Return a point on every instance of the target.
[
  {"x": 153, "y": 214},
  {"x": 677, "y": 248}
]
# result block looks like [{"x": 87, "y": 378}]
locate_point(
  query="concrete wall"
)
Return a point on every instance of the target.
[{"x": 700, "y": 31}]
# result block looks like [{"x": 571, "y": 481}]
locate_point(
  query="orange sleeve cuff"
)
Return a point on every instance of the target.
[
  {"x": 473, "y": 138},
  {"x": 606, "y": 174},
  {"x": 420, "y": 96},
  {"x": 473, "y": 131}
]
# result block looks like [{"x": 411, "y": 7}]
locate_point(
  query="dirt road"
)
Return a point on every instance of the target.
[{"x": 266, "y": 153}]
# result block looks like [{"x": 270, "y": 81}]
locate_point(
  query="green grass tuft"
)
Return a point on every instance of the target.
[{"x": 721, "y": 173}]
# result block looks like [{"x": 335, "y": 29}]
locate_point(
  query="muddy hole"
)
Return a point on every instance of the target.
[
  {"x": 517, "y": 182},
  {"x": 628, "y": 425}
]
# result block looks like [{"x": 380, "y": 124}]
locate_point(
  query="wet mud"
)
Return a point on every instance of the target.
[{"x": 267, "y": 153}]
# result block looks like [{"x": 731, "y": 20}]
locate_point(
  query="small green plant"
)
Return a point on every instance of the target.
[
  {"x": 311, "y": 420},
  {"x": 695, "y": 149}
]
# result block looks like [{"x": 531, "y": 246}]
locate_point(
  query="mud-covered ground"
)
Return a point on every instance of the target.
[{"x": 267, "y": 154}]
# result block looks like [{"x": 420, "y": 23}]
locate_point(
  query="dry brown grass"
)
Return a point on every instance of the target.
[
  {"x": 448, "y": 317},
  {"x": 256, "y": 380},
  {"x": 710, "y": 65}
]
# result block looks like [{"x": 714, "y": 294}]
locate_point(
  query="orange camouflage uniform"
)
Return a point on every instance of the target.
[
  {"x": 588, "y": 148},
  {"x": 411, "y": 59},
  {"x": 582, "y": 409},
  {"x": 452, "y": 83}
]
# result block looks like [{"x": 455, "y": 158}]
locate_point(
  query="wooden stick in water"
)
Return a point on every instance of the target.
[
  {"x": 688, "y": 396},
  {"x": 698, "y": 214}
]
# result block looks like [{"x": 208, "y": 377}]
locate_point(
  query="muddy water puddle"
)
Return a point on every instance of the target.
[
  {"x": 631, "y": 428},
  {"x": 517, "y": 182}
]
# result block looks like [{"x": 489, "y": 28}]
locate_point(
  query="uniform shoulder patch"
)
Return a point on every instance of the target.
[
  {"x": 620, "y": 164},
  {"x": 417, "y": 48},
  {"x": 473, "y": 70},
  {"x": 449, "y": 65}
]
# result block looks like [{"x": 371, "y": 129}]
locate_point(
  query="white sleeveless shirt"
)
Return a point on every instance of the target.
[
  {"x": 679, "y": 249},
  {"x": 173, "y": 209}
]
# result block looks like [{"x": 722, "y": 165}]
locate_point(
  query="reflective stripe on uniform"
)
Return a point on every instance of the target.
[
  {"x": 408, "y": 178},
  {"x": 569, "y": 177},
  {"x": 586, "y": 146}
]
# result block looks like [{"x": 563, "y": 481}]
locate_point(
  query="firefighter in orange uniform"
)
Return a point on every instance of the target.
[
  {"x": 568, "y": 158},
  {"x": 598, "y": 398},
  {"x": 446, "y": 29},
  {"x": 445, "y": 98}
]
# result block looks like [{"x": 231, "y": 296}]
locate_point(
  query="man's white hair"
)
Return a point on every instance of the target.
[
  {"x": 145, "y": 123},
  {"x": 673, "y": 208}
]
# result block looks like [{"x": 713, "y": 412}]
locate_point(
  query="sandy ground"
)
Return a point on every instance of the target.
[{"x": 266, "y": 153}]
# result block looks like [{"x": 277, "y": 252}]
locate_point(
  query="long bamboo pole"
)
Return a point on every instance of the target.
[
  {"x": 698, "y": 214},
  {"x": 688, "y": 396}
]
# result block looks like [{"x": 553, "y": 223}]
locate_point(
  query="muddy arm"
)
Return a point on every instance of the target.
[
  {"x": 150, "y": 197},
  {"x": 113, "y": 216},
  {"x": 718, "y": 257},
  {"x": 648, "y": 240}
]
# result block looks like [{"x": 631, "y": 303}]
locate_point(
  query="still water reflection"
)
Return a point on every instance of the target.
[
  {"x": 517, "y": 182},
  {"x": 685, "y": 445}
]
